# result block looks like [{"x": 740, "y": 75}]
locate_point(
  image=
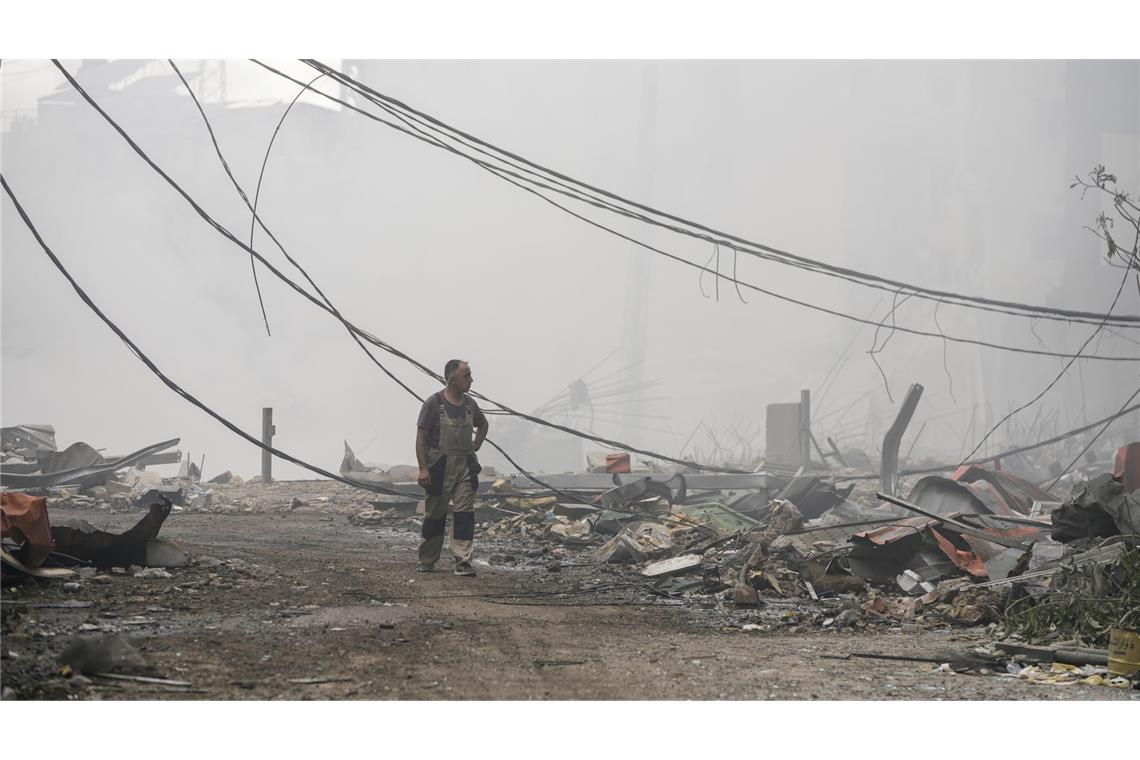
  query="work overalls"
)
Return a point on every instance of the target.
[{"x": 452, "y": 476}]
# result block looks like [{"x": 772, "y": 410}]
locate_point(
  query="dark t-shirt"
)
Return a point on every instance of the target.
[{"x": 429, "y": 415}]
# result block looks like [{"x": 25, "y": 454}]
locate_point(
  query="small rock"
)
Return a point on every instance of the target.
[
  {"x": 8, "y": 693},
  {"x": 109, "y": 653},
  {"x": 295, "y": 502},
  {"x": 119, "y": 571},
  {"x": 86, "y": 572},
  {"x": 103, "y": 579},
  {"x": 72, "y": 587},
  {"x": 153, "y": 572}
]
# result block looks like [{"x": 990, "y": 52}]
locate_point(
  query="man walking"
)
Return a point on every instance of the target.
[{"x": 445, "y": 451}]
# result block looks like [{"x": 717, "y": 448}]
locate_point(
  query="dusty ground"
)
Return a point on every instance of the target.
[{"x": 278, "y": 595}]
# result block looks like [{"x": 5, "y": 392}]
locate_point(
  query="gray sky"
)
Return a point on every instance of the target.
[{"x": 950, "y": 175}]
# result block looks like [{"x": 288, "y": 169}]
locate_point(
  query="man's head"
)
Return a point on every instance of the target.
[{"x": 457, "y": 373}]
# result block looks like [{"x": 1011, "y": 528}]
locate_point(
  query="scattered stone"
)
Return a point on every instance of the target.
[
  {"x": 86, "y": 572},
  {"x": 744, "y": 595},
  {"x": 72, "y": 587},
  {"x": 108, "y": 653},
  {"x": 78, "y": 681},
  {"x": 104, "y": 579},
  {"x": 153, "y": 572},
  {"x": 371, "y": 516}
]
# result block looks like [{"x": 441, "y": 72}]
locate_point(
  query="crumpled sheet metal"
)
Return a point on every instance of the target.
[
  {"x": 977, "y": 490},
  {"x": 1102, "y": 508},
  {"x": 1015, "y": 496},
  {"x": 78, "y": 454},
  {"x": 964, "y": 560},
  {"x": 633, "y": 491},
  {"x": 33, "y": 440},
  {"x": 944, "y": 496},
  {"x": 81, "y": 474},
  {"x": 85, "y": 543},
  {"x": 901, "y": 529},
  {"x": 909, "y": 532}
]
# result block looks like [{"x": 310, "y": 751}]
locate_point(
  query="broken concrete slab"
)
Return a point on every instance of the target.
[
  {"x": 163, "y": 553},
  {"x": 672, "y": 566},
  {"x": 571, "y": 532}
]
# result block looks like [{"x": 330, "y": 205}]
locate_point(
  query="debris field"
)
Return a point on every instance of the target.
[{"x": 120, "y": 584}]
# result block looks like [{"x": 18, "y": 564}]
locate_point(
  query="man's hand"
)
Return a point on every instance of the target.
[{"x": 424, "y": 478}]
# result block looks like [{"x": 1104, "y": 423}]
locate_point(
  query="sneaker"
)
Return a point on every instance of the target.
[
  {"x": 424, "y": 568},
  {"x": 464, "y": 568}
]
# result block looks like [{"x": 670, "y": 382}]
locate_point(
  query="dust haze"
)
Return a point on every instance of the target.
[{"x": 950, "y": 175}]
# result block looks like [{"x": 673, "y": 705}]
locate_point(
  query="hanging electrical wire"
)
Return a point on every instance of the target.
[
  {"x": 134, "y": 349},
  {"x": 1057, "y": 379},
  {"x": 260, "y": 175},
  {"x": 507, "y": 176},
  {"x": 695, "y": 229},
  {"x": 356, "y": 332},
  {"x": 1124, "y": 409}
]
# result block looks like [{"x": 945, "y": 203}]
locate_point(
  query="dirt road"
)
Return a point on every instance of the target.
[{"x": 303, "y": 605}]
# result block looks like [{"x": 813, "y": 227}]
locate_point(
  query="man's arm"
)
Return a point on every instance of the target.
[
  {"x": 481, "y": 433},
  {"x": 421, "y": 455}
]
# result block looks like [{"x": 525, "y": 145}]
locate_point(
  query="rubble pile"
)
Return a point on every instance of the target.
[
  {"x": 982, "y": 547},
  {"x": 1050, "y": 577}
]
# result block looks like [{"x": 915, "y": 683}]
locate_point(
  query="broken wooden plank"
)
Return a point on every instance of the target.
[
  {"x": 141, "y": 679},
  {"x": 557, "y": 663}
]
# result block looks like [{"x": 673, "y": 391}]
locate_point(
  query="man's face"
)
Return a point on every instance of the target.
[{"x": 462, "y": 378}]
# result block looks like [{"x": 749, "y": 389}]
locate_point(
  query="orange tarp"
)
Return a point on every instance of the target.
[{"x": 25, "y": 518}]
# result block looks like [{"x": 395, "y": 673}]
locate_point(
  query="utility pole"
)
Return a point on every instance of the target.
[
  {"x": 267, "y": 431},
  {"x": 805, "y": 429}
]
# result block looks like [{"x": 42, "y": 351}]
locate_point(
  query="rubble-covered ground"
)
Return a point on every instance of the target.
[{"x": 285, "y": 598}]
